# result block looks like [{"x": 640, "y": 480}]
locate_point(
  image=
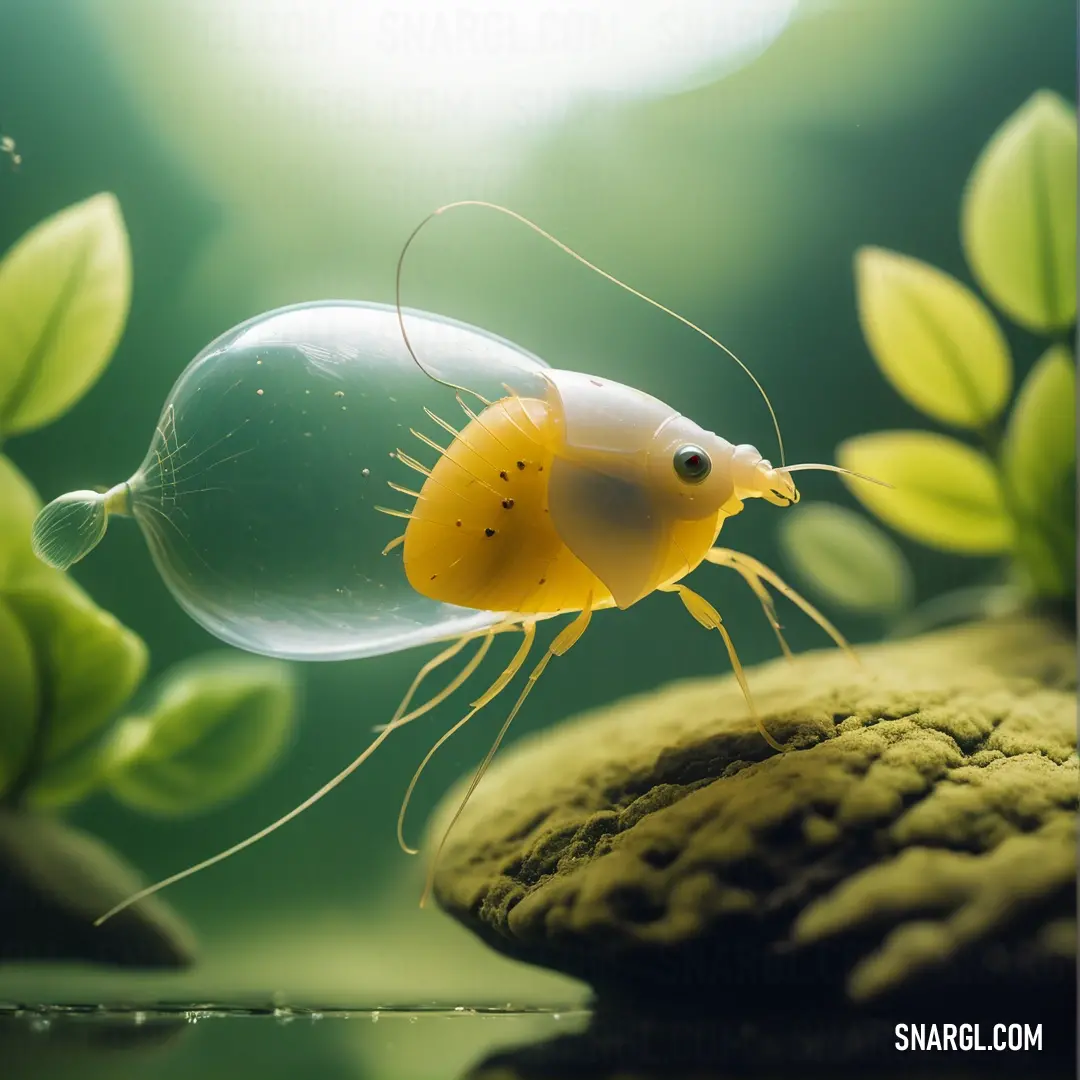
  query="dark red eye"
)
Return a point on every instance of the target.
[{"x": 691, "y": 464}]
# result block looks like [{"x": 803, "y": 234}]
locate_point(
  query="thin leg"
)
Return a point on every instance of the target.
[
  {"x": 496, "y": 688},
  {"x": 709, "y": 617},
  {"x": 437, "y": 661},
  {"x": 400, "y": 719},
  {"x": 767, "y": 605},
  {"x": 563, "y": 642},
  {"x": 748, "y": 567}
]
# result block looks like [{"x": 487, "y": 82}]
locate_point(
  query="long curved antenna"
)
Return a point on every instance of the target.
[
  {"x": 401, "y": 317},
  {"x": 596, "y": 269},
  {"x": 814, "y": 467}
]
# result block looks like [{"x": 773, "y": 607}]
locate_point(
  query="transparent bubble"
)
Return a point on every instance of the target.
[{"x": 258, "y": 495}]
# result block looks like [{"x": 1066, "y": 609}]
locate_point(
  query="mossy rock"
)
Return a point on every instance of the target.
[{"x": 917, "y": 839}]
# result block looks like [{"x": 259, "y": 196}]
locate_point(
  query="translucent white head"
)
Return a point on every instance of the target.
[
  {"x": 636, "y": 485},
  {"x": 687, "y": 472},
  {"x": 755, "y": 478}
]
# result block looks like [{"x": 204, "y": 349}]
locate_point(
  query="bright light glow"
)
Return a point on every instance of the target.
[{"x": 418, "y": 63}]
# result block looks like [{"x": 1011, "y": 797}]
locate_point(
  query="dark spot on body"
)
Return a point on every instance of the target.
[
  {"x": 508, "y": 504},
  {"x": 433, "y": 577},
  {"x": 458, "y": 523},
  {"x": 503, "y": 476},
  {"x": 542, "y": 581},
  {"x": 489, "y": 532},
  {"x": 539, "y": 468},
  {"x": 520, "y": 464}
]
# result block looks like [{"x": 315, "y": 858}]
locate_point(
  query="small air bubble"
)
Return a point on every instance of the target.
[
  {"x": 7, "y": 146},
  {"x": 339, "y": 393},
  {"x": 365, "y": 473},
  {"x": 259, "y": 392}
]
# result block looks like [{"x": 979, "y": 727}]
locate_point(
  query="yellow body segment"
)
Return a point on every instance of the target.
[{"x": 480, "y": 535}]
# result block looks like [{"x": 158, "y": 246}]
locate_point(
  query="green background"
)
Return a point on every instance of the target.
[{"x": 739, "y": 203}]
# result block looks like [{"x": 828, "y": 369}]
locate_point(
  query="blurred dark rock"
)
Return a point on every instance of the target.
[
  {"x": 64, "y": 1042},
  {"x": 626, "y": 1045},
  {"x": 917, "y": 844},
  {"x": 55, "y": 880}
]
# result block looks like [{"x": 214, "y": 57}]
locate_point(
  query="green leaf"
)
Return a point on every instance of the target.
[
  {"x": 1018, "y": 219},
  {"x": 19, "y": 698},
  {"x": 935, "y": 341},
  {"x": 1047, "y": 563},
  {"x": 88, "y": 662},
  {"x": 69, "y": 779},
  {"x": 944, "y": 494},
  {"x": 846, "y": 558},
  {"x": 65, "y": 288},
  {"x": 1039, "y": 459},
  {"x": 1040, "y": 441},
  {"x": 20, "y": 693},
  {"x": 19, "y": 505},
  {"x": 218, "y": 724}
]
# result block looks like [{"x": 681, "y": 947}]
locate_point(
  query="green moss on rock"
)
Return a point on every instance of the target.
[{"x": 919, "y": 837}]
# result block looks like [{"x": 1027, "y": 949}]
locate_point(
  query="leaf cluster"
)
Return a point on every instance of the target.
[
  {"x": 1007, "y": 490},
  {"x": 69, "y": 670}
]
